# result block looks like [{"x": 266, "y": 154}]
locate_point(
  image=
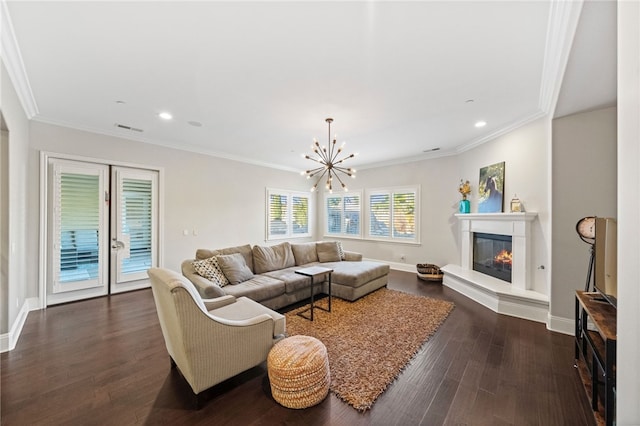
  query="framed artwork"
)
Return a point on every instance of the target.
[{"x": 491, "y": 188}]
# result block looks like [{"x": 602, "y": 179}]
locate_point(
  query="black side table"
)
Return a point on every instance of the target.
[{"x": 312, "y": 272}]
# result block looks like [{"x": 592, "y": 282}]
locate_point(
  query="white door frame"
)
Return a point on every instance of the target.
[{"x": 44, "y": 195}]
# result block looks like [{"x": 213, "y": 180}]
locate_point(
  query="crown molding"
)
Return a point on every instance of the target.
[
  {"x": 164, "y": 143},
  {"x": 12, "y": 58},
  {"x": 561, "y": 30},
  {"x": 500, "y": 132}
]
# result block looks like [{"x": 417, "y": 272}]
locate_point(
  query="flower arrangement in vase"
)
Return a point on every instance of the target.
[{"x": 465, "y": 189}]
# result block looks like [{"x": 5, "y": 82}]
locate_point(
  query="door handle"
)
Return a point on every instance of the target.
[{"x": 117, "y": 245}]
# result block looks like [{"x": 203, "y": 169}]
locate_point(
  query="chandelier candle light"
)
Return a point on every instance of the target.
[{"x": 329, "y": 163}]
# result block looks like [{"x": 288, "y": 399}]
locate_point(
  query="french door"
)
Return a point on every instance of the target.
[{"x": 102, "y": 224}]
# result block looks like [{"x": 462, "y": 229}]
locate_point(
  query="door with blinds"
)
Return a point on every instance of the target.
[
  {"x": 78, "y": 227},
  {"x": 134, "y": 227},
  {"x": 102, "y": 229}
]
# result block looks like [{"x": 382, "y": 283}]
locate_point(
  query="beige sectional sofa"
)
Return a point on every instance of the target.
[{"x": 267, "y": 275}]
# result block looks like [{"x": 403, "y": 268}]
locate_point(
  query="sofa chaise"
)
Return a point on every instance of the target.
[{"x": 267, "y": 275}]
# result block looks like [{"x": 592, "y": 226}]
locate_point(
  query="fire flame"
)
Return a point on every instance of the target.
[{"x": 504, "y": 257}]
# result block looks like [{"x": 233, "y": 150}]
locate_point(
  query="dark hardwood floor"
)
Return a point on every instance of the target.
[{"x": 103, "y": 362}]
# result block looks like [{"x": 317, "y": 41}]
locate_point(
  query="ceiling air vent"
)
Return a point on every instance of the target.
[
  {"x": 125, "y": 127},
  {"x": 431, "y": 150}
]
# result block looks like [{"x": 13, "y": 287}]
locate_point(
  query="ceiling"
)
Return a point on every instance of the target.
[{"x": 255, "y": 80}]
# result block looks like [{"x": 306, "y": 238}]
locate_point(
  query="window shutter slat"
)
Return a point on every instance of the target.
[
  {"x": 77, "y": 228},
  {"x": 136, "y": 204}
]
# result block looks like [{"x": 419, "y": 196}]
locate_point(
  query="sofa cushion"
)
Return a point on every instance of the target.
[
  {"x": 245, "y": 250},
  {"x": 292, "y": 281},
  {"x": 210, "y": 269},
  {"x": 355, "y": 274},
  {"x": 271, "y": 258},
  {"x": 234, "y": 267},
  {"x": 258, "y": 288},
  {"x": 304, "y": 253},
  {"x": 328, "y": 251},
  {"x": 341, "y": 250}
]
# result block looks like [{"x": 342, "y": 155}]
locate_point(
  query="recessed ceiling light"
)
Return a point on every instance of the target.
[
  {"x": 481, "y": 124},
  {"x": 165, "y": 116},
  {"x": 195, "y": 123}
]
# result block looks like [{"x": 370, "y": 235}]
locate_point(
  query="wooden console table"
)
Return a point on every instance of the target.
[{"x": 595, "y": 353}]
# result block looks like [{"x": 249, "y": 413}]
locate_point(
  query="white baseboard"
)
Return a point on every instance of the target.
[
  {"x": 9, "y": 340},
  {"x": 562, "y": 325},
  {"x": 406, "y": 267}
]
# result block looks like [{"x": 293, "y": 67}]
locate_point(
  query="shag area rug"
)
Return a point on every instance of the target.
[{"x": 371, "y": 340}]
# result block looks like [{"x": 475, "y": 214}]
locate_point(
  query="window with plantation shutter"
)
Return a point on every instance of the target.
[
  {"x": 343, "y": 213},
  {"x": 288, "y": 214},
  {"x": 393, "y": 214},
  {"x": 300, "y": 215},
  {"x": 379, "y": 215}
]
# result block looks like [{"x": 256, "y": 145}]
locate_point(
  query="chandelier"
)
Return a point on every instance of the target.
[{"x": 329, "y": 163}]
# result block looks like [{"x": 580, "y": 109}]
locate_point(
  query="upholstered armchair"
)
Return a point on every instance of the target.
[{"x": 211, "y": 340}]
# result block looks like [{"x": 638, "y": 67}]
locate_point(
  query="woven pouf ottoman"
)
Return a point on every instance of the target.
[{"x": 299, "y": 373}]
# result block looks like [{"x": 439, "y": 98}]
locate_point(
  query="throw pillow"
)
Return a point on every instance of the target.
[
  {"x": 209, "y": 269},
  {"x": 340, "y": 250},
  {"x": 328, "y": 251},
  {"x": 267, "y": 259},
  {"x": 234, "y": 267},
  {"x": 304, "y": 253}
]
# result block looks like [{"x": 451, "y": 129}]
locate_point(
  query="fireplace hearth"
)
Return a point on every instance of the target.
[
  {"x": 492, "y": 255},
  {"x": 518, "y": 297}
]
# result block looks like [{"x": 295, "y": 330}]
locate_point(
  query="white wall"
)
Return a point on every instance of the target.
[
  {"x": 222, "y": 200},
  {"x": 628, "y": 375},
  {"x": 584, "y": 184},
  {"x": 18, "y": 141},
  {"x": 525, "y": 152}
]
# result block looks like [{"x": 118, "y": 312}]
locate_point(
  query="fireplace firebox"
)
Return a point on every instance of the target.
[{"x": 492, "y": 255}]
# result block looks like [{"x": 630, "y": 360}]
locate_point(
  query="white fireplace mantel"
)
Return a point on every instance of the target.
[
  {"x": 515, "y": 298},
  {"x": 515, "y": 225}
]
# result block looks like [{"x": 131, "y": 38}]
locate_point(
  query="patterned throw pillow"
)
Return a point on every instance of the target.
[
  {"x": 209, "y": 269},
  {"x": 340, "y": 250}
]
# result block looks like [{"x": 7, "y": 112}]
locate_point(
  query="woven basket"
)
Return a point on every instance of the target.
[
  {"x": 298, "y": 369},
  {"x": 429, "y": 272}
]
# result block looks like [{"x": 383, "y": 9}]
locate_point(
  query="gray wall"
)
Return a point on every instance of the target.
[
  {"x": 584, "y": 168},
  {"x": 18, "y": 145},
  {"x": 4, "y": 226}
]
